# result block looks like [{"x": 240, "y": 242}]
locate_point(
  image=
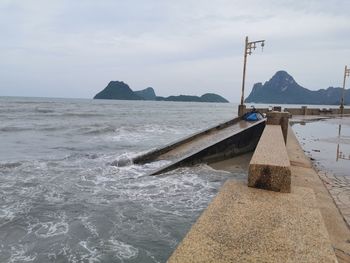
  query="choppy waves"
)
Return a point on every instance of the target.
[
  {"x": 69, "y": 191},
  {"x": 84, "y": 208}
]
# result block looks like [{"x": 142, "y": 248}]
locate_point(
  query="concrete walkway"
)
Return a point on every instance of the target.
[
  {"x": 250, "y": 225},
  {"x": 303, "y": 174},
  {"x": 339, "y": 188}
]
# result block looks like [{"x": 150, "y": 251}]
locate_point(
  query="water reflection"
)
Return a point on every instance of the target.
[
  {"x": 340, "y": 154},
  {"x": 327, "y": 141}
]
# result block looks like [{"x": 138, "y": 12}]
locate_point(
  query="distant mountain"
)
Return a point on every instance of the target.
[
  {"x": 208, "y": 97},
  {"x": 118, "y": 90},
  {"x": 212, "y": 97},
  {"x": 282, "y": 88},
  {"x": 146, "y": 94}
]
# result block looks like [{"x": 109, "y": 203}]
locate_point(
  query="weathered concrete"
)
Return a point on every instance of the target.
[
  {"x": 269, "y": 167},
  {"x": 304, "y": 110},
  {"x": 230, "y": 142},
  {"x": 239, "y": 228},
  {"x": 303, "y": 174},
  {"x": 218, "y": 143},
  {"x": 277, "y": 108},
  {"x": 219, "y": 235},
  {"x": 236, "y": 165},
  {"x": 157, "y": 153},
  {"x": 251, "y": 225},
  {"x": 279, "y": 118},
  {"x": 242, "y": 109}
]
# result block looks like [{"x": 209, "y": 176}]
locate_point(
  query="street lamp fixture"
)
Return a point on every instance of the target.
[
  {"x": 248, "y": 50},
  {"x": 346, "y": 74}
]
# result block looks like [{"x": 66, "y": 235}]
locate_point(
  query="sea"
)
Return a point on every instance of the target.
[
  {"x": 63, "y": 200},
  {"x": 63, "y": 197}
]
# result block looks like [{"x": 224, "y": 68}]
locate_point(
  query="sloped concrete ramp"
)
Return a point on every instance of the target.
[{"x": 223, "y": 141}]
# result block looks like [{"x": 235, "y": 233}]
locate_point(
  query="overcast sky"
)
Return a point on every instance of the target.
[{"x": 65, "y": 48}]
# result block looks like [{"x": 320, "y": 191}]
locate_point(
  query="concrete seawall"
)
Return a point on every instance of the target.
[
  {"x": 304, "y": 110},
  {"x": 251, "y": 225},
  {"x": 220, "y": 142}
]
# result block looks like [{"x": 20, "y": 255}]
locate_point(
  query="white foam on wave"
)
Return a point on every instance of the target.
[
  {"x": 52, "y": 229},
  {"x": 92, "y": 250},
  {"x": 49, "y": 229},
  {"x": 88, "y": 225},
  {"x": 120, "y": 249},
  {"x": 126, "y": 134},
  {"x": 149, "y": 131},
  {"x": 18, "y": 254},
  {"x": 10, "y": 211},
  {"x": 6, "y": 214},
  {"x": 124, "y": 159},
  {"x": 189, "y": 188}
]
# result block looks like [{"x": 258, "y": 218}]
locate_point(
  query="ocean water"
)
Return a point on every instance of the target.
[{"x": 61, "y": 200}]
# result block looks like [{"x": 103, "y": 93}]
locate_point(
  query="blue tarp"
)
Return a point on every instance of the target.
[{"x": 253, "y": 116}]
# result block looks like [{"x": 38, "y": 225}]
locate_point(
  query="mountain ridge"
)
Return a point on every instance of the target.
[
  {"x": 118, "y": 90},
  {"x": 283, "y": 89}
]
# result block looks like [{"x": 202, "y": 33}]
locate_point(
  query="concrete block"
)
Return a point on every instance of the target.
[
  {"x": 242, "y": 109},
  {"x": 304, "y": 110},
  {"x": 269, "y": 167},
  {"x": 277, "y": 108},
  {"x": 279, "y": 118}
]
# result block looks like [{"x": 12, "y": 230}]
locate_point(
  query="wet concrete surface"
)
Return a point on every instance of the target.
[
  {"x": 204, "y": 141},
  {"x": 211, "y": 146},
  {"x": 327, "y": 143}
]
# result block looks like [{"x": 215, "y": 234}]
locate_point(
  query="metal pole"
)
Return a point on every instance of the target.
[
  {"x": 343, "y": 92},
  {"x": 244, "y": 68}
]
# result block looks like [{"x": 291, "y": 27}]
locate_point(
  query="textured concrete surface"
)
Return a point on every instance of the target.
[
  {"x": 279, "y": 118},
  {"x": 204, "y": 141},
  {"x": 245, "y": 224},
  {"x": 230, "y": 230},
  {"x": 303, "y": 174},
  {"x": 236, "y": 139},
  {"x": 269, "y": 167},
  {"x": 339, "y": 188},
  {"x": 238, "y": 164}
]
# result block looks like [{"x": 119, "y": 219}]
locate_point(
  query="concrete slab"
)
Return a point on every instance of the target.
[
  {"x": 206, "y": 140},
  {"x": 245, "y": 224},
  {"x": 269, "y": 167},
  {"x": 303, "y": 174},
  {"x": 218, "y": 144}
]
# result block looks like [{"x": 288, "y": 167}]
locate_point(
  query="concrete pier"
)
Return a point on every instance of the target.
[
  {"x": 250, "y": 225},
  {"x": 220, "y": 142},
  {"x": 279, "y": 118},
  {"x": 245, "y": 224}
]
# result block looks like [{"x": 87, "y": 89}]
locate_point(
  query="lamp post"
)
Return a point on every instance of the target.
[
  {"x": 346, "y": 74},
  {"x": 248, "y": 49}
]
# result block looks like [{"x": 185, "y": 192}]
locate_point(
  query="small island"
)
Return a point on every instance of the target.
[{"x": 118, "y": 90}]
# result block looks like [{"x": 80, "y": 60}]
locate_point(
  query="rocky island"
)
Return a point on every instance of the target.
[
  {"x": 118, "y": 90},
  {"x": 283, "y": 89}
]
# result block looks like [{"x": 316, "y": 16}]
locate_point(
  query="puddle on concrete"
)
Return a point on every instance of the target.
[{"x": 328, "y": 143}]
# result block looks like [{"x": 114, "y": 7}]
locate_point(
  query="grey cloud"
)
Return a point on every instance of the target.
[{"x": 179, "y": 46}]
